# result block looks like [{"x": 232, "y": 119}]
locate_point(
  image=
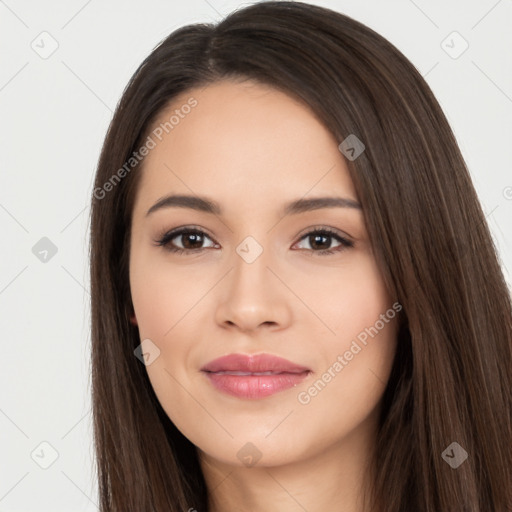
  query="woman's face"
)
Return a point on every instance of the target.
[{"x": 254, "y": 278}]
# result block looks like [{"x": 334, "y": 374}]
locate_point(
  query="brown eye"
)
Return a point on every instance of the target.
[
  {"x": 320, "y": 241},
  {"x": 191, "y": 240},
  {"x": 187, "y": 240}
]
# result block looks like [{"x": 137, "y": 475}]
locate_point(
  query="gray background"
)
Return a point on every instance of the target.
[{"x": 55, "y": 110}]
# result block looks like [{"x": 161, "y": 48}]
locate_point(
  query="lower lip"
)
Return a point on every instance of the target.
[{"x": 255, "y": 386}]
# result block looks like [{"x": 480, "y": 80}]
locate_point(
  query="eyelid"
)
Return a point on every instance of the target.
[
  {"x": 181, "y": 229},
  {"x": 192, "y": 227},
  {"x": 166, "y": 236},
  {"x": 320, "y": 227}
]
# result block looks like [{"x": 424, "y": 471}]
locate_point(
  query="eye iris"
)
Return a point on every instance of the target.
[
  {"x": 318, "y": 239},
  {"x": 194, "y": 237}
]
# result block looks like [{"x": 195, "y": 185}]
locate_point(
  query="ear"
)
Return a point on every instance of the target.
[{"x": 133, "y": 319}]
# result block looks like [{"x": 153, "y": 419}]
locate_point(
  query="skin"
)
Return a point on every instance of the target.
[{"x": 252, "y": 149}]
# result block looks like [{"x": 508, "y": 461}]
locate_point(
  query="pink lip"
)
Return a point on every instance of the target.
[
  {"x": 253, "y": 363},
  {"x": 285, "y": 374}
]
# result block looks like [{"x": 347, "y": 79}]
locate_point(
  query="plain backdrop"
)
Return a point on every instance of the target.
[{"x": 54, "y": 112}]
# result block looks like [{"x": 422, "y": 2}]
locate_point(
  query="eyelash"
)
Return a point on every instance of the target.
[{"x": 164, "y": 240}]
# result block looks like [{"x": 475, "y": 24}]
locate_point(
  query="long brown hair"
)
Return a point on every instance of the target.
[{"x": 451, "y": 379}]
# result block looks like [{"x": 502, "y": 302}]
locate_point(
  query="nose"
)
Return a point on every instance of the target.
[{"x": 252, "y": 296}]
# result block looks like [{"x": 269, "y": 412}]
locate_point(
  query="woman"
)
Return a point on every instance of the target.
[{"x": 296, "y": 300}]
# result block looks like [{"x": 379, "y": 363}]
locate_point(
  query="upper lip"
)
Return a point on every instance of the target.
[{"x": 253, "y": 363}]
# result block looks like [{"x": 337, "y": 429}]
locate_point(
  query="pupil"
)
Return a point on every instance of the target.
[
  {"x": 194, "y": 237},
  {"x": 316, "y": 238}
]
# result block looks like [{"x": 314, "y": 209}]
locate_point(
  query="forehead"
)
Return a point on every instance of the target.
[{"x": 242, "y": 141}]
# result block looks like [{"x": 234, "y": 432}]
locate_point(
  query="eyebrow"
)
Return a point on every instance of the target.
[{"x": 204, "y": 204}]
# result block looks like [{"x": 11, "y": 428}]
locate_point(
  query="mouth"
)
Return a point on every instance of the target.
[
  {"x": 253, "y": 376},
  {"x": 254, "y": 385},
  {"x": 230, "y": 372},
  {"x": 253, "y": 364}
]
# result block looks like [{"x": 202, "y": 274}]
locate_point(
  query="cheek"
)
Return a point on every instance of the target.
[
  {"x": 357, "y": 361},
  {"x": 161, "y": 297},
  {"x": 163, "y": 302},
  {"x": 349, "y": 299},
  {"x": 348, "y": 391},
  {"x": 358, "y": 357}
]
